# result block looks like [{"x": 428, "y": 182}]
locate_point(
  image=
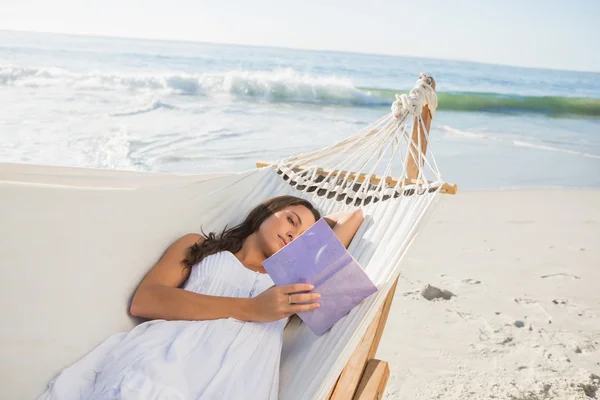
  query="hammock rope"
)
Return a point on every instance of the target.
[
  {"x": 378, "y": 157},
  {"x": 376, "y": 149}
]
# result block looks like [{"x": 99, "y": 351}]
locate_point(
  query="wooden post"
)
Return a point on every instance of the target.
[
  {"x": 353, "y": 371},
  {"x": 372, "y": 385},
  {"x": 412, "y": 169},
  {"x": 374, "y": 374}
]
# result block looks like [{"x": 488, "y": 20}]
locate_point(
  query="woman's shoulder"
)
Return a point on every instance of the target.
[{"x": 191, "y": 238}]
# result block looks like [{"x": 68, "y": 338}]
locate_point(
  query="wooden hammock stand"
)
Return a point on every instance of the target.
[{"x": 364, "y": 377}]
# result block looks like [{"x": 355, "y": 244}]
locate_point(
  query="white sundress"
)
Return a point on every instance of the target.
[{"x": 183, "y": 360}]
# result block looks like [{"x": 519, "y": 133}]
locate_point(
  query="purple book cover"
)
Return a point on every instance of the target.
[{"x": 318, "y": 257}]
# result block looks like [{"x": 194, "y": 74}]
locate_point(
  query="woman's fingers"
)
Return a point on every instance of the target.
[
  {"x": 297, "y": 301},
  {"x": 304, "y": 297},
  {"x": 297, "y": 287},
  {"x": 296, "y": 308}
]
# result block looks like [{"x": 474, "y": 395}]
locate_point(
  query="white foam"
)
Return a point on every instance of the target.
[
  {"x": 520, "y": 143},
  {"x": 278, "y": 85},
  {"x": 469, "y": 135},
  {"x": 112, "y": 151}
]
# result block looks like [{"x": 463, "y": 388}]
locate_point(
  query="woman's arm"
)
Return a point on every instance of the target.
[
  {"x": 345, "y": 224},
  {"x": 159, "y": 297}
]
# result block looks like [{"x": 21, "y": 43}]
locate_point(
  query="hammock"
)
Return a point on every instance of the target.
[{"x": 76, "y": 242}]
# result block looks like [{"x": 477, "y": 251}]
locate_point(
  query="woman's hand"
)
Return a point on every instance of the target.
[
  {"x": 274, "y": 303},
  {"x": 345, "y": 224}
]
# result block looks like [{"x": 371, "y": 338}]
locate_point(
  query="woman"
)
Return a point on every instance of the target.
[{"x": 217, "y": 321}]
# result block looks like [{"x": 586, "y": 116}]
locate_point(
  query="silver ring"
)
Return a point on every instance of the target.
[{"x": 290, "y": 298}]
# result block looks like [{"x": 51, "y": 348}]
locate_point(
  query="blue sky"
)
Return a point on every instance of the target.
[{"x": 547, "y": 34}]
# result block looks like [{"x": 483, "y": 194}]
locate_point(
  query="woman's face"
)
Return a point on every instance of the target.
[{"x": 282, "y": 227}]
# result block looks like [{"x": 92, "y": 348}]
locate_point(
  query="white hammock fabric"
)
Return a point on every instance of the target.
[{"x": 76, "y": 243}]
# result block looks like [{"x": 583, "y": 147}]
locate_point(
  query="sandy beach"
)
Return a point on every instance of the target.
[
  {"x": 524, "y": 322},
  {"x": 118, "y": 138}
]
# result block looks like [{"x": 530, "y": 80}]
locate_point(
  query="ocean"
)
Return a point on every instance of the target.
[{"x": 184, "y": 107}]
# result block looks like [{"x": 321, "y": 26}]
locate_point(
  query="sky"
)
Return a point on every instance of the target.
[{"x": 557, "y": 34}]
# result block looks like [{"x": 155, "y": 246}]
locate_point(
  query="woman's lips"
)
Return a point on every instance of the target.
[{"x": 283, "y": 243}]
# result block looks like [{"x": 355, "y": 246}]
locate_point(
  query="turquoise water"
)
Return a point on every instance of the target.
[{"x": 192, "y": 108}]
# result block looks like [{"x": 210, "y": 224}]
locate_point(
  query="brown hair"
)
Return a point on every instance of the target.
[{"x": 232, "y": 239}]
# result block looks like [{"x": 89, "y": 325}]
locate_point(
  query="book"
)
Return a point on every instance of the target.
[{"x": 318, "y": 257}]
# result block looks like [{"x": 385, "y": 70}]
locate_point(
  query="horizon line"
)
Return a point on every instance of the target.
[{"x": 108, "y": 36}]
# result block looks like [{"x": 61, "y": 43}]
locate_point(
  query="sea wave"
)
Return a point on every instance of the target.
[
  {"x": 288, "y": 85},
  {"x": 279, "y": 85},
  {"x": 149, "y": 107},
  {"x": 511, "y": 103}
]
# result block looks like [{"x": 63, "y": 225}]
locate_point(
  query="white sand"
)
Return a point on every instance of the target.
[{"x": 530, "y": 256}]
